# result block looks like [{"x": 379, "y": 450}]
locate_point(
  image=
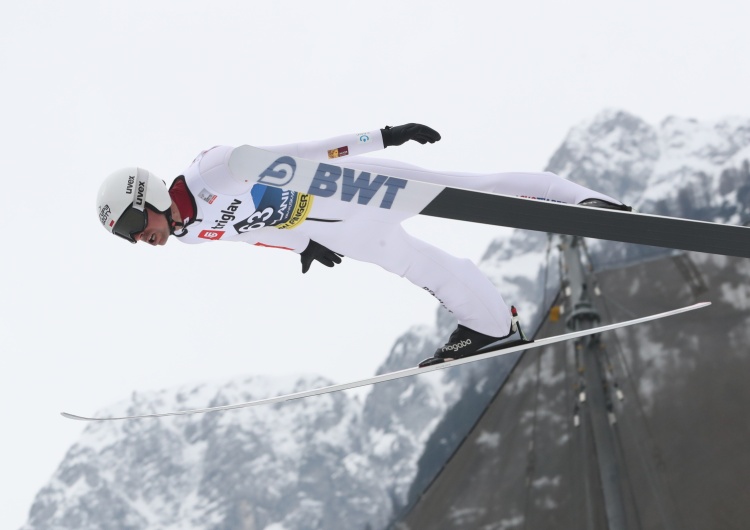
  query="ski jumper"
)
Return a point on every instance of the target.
[{"x": 268, "y": 216}]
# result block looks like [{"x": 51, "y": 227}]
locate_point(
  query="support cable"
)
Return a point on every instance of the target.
[
  {"x": 573, "y": 433},
  {"x": 531, "y": 452},
  {"x": 546, "y": 271},
  {"x": 584, "y": 454},
  {"x": 661, "y": 494}
]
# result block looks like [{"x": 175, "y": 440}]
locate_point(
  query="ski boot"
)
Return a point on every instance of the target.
[
  {"x": 599, "y": 203},
  {"x": 465, "y": 342}
]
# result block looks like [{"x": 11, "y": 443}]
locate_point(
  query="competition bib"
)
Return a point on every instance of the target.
[{"x": 275, "y": 207}]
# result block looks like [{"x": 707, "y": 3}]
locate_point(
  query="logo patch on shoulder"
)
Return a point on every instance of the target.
[
  {"x": 211, "y": 234},
  {"x": 340, "y": 151}
]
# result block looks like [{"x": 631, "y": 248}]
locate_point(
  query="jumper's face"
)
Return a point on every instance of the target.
[{"x": 157, "y": 229}]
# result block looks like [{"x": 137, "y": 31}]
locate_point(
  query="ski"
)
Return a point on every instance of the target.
[
  {"x": 401, "y": 373},
  {"x": 332, "y": 181}
]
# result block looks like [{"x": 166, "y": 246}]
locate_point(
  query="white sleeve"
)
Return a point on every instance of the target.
[
  {"x": 214, "y": 163},
  {"x": 337, "y": 147}
]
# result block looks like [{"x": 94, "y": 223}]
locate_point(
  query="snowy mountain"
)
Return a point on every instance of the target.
[
  {"x": 334, "y": 461},
  {"x": 323, "y": 462},
  {"x": 281, "y": 465},
  {"x": 682, "y": 168}
]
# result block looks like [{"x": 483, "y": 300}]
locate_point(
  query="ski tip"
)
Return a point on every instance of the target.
[{"x": 74, "y": 417}]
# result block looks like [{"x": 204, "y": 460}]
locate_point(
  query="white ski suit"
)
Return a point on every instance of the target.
[{"x": 280, "y": 218}]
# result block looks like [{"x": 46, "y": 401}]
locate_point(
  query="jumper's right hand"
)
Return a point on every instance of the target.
[
  {"x": 411, "y": 131},
  {"x": 317, "y": 252}
]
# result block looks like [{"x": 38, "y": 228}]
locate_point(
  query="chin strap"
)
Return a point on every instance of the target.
[{"x": 175, "y": 225}]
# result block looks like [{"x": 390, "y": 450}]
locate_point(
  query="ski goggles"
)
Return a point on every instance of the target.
[{"x": 131, "y": 222}]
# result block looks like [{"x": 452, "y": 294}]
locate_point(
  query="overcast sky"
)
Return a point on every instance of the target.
[{"x": 89, "y": 87}]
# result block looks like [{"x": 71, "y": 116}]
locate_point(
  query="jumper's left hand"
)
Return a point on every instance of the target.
[
  {"x": 317, "y": 252},
  {"x": 411, "y": 131}
]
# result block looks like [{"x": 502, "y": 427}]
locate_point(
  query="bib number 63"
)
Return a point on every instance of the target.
[{"x": 256, "y": 221}]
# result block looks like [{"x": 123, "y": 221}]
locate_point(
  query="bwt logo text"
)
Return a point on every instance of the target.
[{"x": 325, "y": 182}]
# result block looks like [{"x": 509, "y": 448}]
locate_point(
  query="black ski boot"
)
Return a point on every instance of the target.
[
  {"x": 465, "y": 342},
  {"x": 599, "y": 203}
]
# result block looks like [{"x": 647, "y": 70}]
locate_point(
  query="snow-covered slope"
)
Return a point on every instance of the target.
[{"x": 334, "y": 461}]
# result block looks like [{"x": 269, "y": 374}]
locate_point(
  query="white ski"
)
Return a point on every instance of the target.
[{"x": 401, "y": 373}]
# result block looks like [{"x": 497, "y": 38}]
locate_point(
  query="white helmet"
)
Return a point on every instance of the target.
[{"x": 123, "y": 197}]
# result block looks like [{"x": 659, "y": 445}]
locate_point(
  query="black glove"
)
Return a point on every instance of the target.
[
  {"x": 317, "y": 252},
  {"x": 411, "y": 131}
]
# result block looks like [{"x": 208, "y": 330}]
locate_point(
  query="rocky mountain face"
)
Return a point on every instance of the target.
[
  {"x": 681, "y": 168},
  {"x": 334, "y": 461},
  {"x": 324, "y": 462}
]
